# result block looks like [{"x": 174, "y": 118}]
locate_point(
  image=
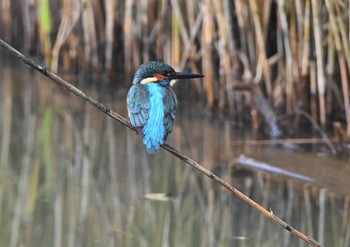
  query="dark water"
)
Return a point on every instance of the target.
[{"x": 69, "y": 176}]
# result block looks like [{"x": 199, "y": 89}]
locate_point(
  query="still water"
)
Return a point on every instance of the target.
[{"x": 70, "y": 176}]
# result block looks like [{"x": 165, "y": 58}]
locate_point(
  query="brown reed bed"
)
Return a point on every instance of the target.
[{"x": 297, "y": 52}]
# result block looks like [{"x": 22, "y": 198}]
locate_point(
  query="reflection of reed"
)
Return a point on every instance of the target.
[
  {"x": 6, "y": 128},
  {"x": 99, "y": 173}
]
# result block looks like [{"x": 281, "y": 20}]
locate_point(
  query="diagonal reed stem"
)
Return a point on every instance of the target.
[{"x": 58, "y": 80}]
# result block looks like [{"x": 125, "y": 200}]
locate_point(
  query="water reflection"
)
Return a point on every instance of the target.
[{"x": 72, "y": 177}]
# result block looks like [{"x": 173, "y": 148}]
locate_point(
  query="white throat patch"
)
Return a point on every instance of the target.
[{"x": 148, "y": 80}]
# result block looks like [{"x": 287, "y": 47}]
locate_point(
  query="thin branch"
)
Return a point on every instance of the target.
[{"x": 167, "y": 147}]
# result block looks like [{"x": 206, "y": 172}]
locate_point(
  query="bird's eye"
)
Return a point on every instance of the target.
[{"x": 168, "y": 73}]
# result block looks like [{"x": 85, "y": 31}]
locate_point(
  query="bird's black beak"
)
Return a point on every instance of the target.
[{"x": 184, "y": 75}]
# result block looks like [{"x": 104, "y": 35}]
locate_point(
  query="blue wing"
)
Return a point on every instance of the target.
[
  {"x": 170, "y": 104},
  {"x": 138, "y": 102},
  {"x": 138, "y": 105}
]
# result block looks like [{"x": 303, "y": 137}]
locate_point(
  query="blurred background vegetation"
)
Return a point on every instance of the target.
[{"x": 295, "y": 54}]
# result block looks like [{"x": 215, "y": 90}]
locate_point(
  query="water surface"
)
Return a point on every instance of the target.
[{"x": 70, "y": 176}]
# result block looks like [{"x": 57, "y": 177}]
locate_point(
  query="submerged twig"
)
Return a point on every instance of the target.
[{"x": 167, "y": 147}]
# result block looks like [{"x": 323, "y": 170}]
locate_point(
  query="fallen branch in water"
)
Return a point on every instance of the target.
[{"x": 170, "y": 149}]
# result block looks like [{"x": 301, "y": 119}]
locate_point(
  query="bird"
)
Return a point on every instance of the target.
[{"x": 151, "y": 102}]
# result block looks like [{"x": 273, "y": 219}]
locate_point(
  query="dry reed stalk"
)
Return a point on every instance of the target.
[
  {"x": 288, "y": 68},
  {"x": 240, "y": 13},
  {"x": 28, "y": 29},
  {"x": 295, "y": 35},
  {"x": 233, "y": 75},
  {"x": 70, "y": 17},
  {"x": 300, "y": 19},
  {"x": 345, "y": 84},
  {"x": 345, "y": 39},
  {"x": 180, "y": 19},
  {"x": 159, "y": 28},
  {"x": 100, "y": 22},
  {"x": 298, "y": 43},
  {"x": 228, "y": 82},
  {"x": 144, "y": 23},
  {"x": 342, "y": 62},
  {"x": 225, "y": 67},
  {"x": 89, "y": 34},
  {"x": 190, "y": 12},
  {"x": 175, "y": 37},
  {"x": 170, "y": 149},
  {"x": 313, "y": 90},
  {"x": 128, "y": 37},
  {"x": 321, "y": 82},
  {"x": 111, "y": 17},
  {"x": 231, "y": 42},
  {"x": 305, "y": 62},
  {"x": 266, "y": 13},
  {"x": 190, "y": 45},
  {"x": 178, "y": 31},
  {"x": 6, "y": 18},
  {"x": 259, "y": 37},
  {"x": 330, "y": 58},
  {"x": 251, "y": 46},
  {"x": 206, "y": 49},
  {"x": 45, "y": 26}
]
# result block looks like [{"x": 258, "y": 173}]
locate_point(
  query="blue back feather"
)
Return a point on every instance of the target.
[{"x": 154, "y": 130}]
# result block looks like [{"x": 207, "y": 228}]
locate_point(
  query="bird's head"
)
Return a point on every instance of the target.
[{"x": 159, "y": 72}]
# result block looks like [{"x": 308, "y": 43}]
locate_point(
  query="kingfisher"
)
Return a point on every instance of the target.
[{"x": 152, "y": 102}]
